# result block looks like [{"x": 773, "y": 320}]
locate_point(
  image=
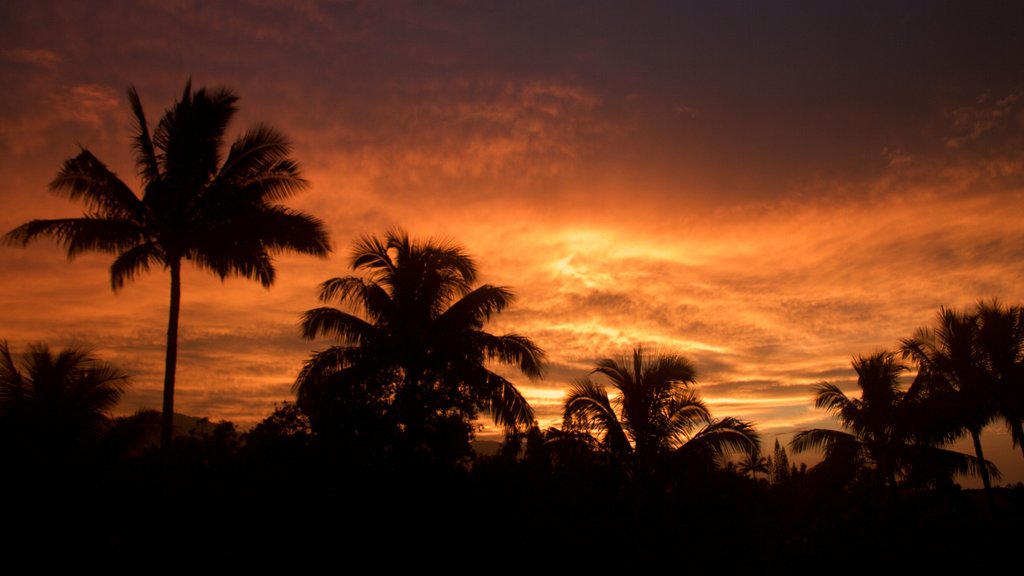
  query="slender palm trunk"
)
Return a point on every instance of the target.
[
  {"x": 167, "y": 422},
  {"x": 976, "y": 436}
]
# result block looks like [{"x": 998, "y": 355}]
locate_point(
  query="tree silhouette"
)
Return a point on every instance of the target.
[
  {"x": 883, "y": 424},
  {"x": 55, "y": 407},
  {"x": 1001, "y": 345},
  {"x": 753, "y": 464},
  {"x": 955, "y": 379},
  {"x": 778, "y": 467},
  {"x": 873, "y": 419},
  {"x": 655, "y": 413},
  {"x": 415, "y": 353},
  {"x": 220, "y": 215}
]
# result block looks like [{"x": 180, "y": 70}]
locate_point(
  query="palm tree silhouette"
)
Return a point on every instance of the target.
[
  {"x": 220, "y": 215},
  {"x": 874, "y": 419},
  {"x": 956, "y": 380},
  {"x": 753, "y": 463},
  {"x": 416, "y": 348},
  {"x": 656, "y": 412},
  {"x": 54, "y": 407},
  {"x": 1001, "y": 341},
  {"x": 884, "y": 425}
]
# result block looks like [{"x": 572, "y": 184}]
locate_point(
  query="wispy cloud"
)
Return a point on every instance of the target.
[
  {"x": 35, "y": 56},
  {"x": 972, "y": 122}
]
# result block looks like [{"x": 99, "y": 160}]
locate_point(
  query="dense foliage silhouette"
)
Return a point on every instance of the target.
[{"x": 251, "y": 500}]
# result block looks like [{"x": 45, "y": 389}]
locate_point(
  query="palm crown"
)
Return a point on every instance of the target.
[
  {"x": 656, "y": 412},
  {"x": 876, "y": 420},
  {"x": 218, "y": 212},
  {"x": 420, "y": 341},
  {"x": 55, "y": 405}
]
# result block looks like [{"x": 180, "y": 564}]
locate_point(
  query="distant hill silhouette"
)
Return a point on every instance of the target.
[{"x": 184, "y": 425}]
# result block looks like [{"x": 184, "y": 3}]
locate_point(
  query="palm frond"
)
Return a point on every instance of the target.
[
  {"x": 258, "y": 167},
  {"x": 343, "y": 288},
  {"x": 684, "y": 413},
  {"x": 240, "y": 242},
  {"x": 370, "y": 297},
  {"x": 588, "y": 408},
  {"x": 78, "y": 235},
  {"x": 283, "y": 230},
  {"x": 477, "y": 306},
  {"x": 617, "y": 373},
  {"x": 133, "y": 262},
  {"x": 822, "y": 439},
  {"x": 722, "y": 437},
  {"x": 323, "y": 363},
  {"x": 145, "y": 154},
  {"x": 443, "y": 254},
  {"x": 12, "y": 384},
  {"x": 331, "y": 322},
  {"x": 939, "y": 463},
  {"x": 512, "y": 349},
  {"x": 669, "y": 371},
  {"x": 246, "y": 258},
  {"x": 831, "y": 397},
  {"x": 506, "y": 405},
  {"x": 370, "y": 255},
  {"x": 319, "y": 368},
  {"x": 85, "y": 178},
  {"x": 914, "y": 348},
  {"x": 8, "y": 368},
  {"x": 190, "y": 135}
]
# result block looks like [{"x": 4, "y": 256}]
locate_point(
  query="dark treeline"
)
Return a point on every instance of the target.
[
  {"x": 353, "y": 476},
  {"x": 372, "y": 466},
  {"x": 90, "y": 491}
]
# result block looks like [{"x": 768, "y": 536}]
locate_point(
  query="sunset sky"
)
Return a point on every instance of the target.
[{"x": 766, "y": 189}]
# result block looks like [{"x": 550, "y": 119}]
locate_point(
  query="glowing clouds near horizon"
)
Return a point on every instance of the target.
[{"x": 804, "y": 289}]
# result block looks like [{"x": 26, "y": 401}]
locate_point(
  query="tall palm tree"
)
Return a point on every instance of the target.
[
  {"x": 415, "y": 349},
  {"x": 220, "y": 213},
  {"x": 1001, "y": 341},
  {"x": 55, "y": 406},
  {"x": 655, "y": 413},
  {"x": 955, "y": 379},
  {"x": 873, "y": 419}
]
